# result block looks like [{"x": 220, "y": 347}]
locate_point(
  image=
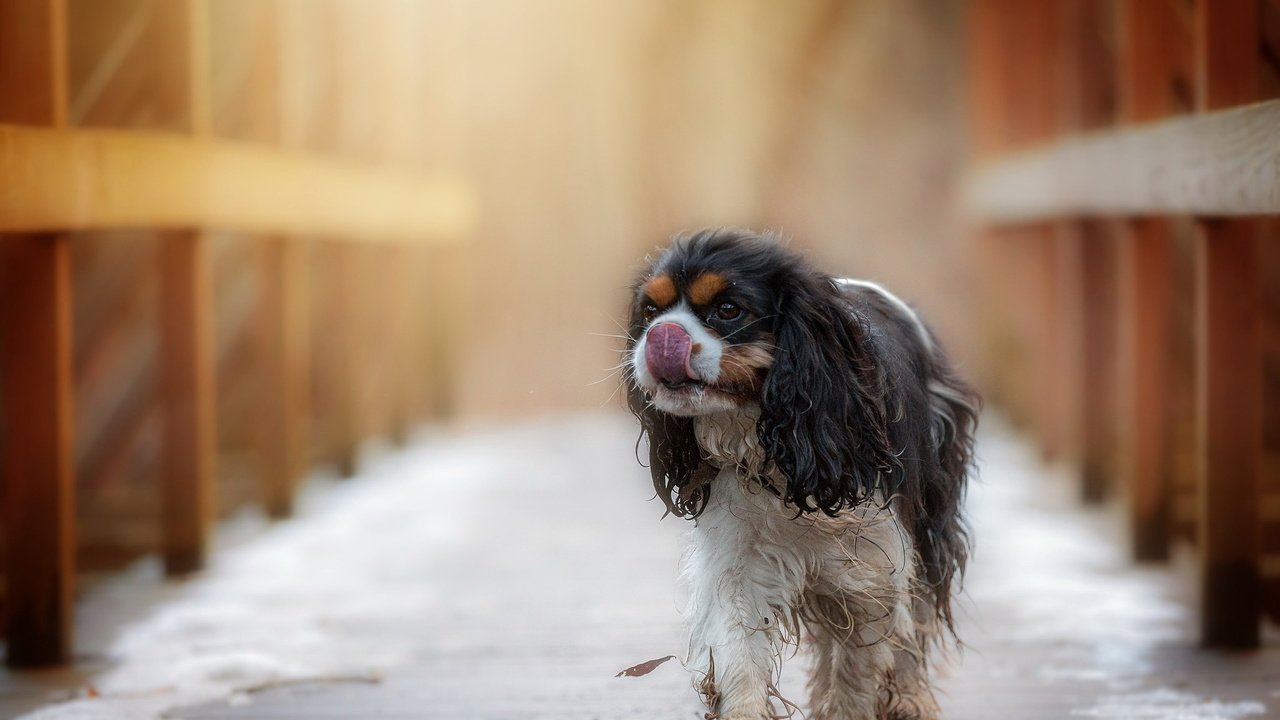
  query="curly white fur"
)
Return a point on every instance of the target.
[{"x": 759, "y": 578}]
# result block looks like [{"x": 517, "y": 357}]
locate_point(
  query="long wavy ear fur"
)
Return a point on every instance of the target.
[
  {"x": 675, "y": 461},
  {"x": 942, "y": 538},
  {"x": 822, "y": 420}
]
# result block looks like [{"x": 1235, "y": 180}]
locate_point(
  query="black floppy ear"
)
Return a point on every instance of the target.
[
  {"x": 681, "y": 477},
  {"x": 822, "y": 420}
]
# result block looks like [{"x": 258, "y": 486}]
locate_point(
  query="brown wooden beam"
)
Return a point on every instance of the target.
[
  {"x": 1100, "y": 364},
  {"x": 1229, "y": 356},
  {"x": 404, "y": 316},
  {"x": 1147, "y": 271},
  {"x": 37, "y": 474},
  {"x": 350, "y": 407},
  {"x": 1153, "y": 63},
  {"x": 284, "y": 318},
  {"x": 187, "y": 396},
  {"x": 1068, "y": 339},
  {"x": 105, "y": 179},
  {"x": 1223, "y": 163},
  {"x": 1230, "y": 434},
  {"x": 37, "y": 481},
  {"x": 1049, "y": 338},
  {"x": 1086, "y": 78},
  {"x": 284, "y": 412},
  {"x": 33, "y": 62}
]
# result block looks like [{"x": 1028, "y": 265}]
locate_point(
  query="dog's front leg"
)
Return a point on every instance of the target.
[
  {"x": 735, "y": 642},
  {"x": 733, "y": 649}
]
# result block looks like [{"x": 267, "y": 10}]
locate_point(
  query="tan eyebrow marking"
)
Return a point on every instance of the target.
[
  {"x": 703, "y": 290},
  {"x": 661, "y": 290}
]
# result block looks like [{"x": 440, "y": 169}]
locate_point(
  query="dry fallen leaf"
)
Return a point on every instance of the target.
[{"x": 644, "y": 668}]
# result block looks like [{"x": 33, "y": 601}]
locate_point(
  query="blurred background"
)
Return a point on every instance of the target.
[
  {"x": 587, "y": 134},
  {"x": 544, "y": 149}
]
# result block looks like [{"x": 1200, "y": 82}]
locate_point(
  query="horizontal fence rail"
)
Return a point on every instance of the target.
[
  {"x": 1223, "y": 163},
  {"x": 103, "y": 179}
]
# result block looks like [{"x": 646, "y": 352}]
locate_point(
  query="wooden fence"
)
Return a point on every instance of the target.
[
  {"x": 1127, "y": 163},
  {"x": 173, "y": 169}
]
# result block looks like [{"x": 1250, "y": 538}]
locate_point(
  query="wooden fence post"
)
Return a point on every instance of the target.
[
  {"x": 1229, "y": 433},
  {"x": 187, "y": 391},
  {"x": 36, "y": 466},
  {"x": 1101, "y": 362},
  {"x": 1014, "y": 105},
  {"x": 37, "y": 481},
  {"x": 1087, "y": 85},
  {"x": 283, "y": 330},
  {"x": 187, "y": 353},
  {"x": 1152, "y": 64},
  {"x": 1229, "y": 372},
  {"x": 1147, "y": 265}
]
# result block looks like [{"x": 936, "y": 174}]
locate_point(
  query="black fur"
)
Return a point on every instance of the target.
[
  {"x": 855, "y": 404},
  {"x": 822, "y": 418}
]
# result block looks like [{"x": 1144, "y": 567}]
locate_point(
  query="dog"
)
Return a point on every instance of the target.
[{"x": 816, "y": 434}]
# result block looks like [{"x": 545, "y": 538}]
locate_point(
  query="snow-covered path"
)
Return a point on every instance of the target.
[{"x": 511, "y": 573}]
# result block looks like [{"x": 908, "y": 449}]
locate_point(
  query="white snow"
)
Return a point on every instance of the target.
[
  {"x": 1167, "y": 704},
  {"x": 1062, "y": 578},
  {"x": 291, "y": 603},
  {"x": 339, "y": 591},
  {"x": 1044, "y": 561}
]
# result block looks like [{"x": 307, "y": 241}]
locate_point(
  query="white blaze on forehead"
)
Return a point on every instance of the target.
[{"x": 894, "y": 300}]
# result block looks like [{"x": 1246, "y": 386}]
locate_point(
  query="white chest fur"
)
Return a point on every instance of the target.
[
  {"x": 755, "y": 568},
  {"x": 731, "y": 441}
]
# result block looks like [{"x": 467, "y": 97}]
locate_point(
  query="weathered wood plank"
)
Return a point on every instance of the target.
[
  {"x": 36, "y": 469},
  {"x": 101, "y": 179},
  {"x": 1230, "y": 358},
  {"x": 198, "y": 67},
  {"x": 37, "y": 474},
  {"x": 284, "y": 415},
  {"x": 188, "y": 359},
  {"x": 1033, "y": 39},
  {"x": 408, "y": 330},
  {"x": 33, "y": 62},
  {"x": 1050, "y": 336},
  {"x": 1147, "y": 287},
  {"x": 1226, "y": 46},
  {"x": 1224, "y": 163},
  {"x": 187, "y": 392},
  {"x": 1100, "y": 361},
  {"x": 1087, "y": 80},
  {"x": 350, "y": 408},
  {"x": 282, "y": 322},
  {"x": 1154, "y": 62},
  {"x": 1230, "y": 432}
]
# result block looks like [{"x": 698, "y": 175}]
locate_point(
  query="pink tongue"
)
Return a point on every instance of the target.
[{"x": 667, "y": 352}]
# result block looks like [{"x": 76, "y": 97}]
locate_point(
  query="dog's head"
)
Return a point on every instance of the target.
[{"x": 726, "y": 319}]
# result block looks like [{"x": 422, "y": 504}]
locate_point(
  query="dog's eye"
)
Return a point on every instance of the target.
[
  {"x": 649, "y": 310},
  {"x": 728, "y": 311}
]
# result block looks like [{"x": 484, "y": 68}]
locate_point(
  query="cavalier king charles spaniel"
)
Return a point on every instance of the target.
[{"x": 818, "y": 437}]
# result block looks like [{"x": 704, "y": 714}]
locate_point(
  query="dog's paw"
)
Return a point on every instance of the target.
[{"x": 919, "y": 705}]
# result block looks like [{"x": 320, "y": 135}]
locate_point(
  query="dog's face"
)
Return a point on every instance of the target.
[
  {"x": 723, "y": 319},
  {"x": 702, "y": 329}
]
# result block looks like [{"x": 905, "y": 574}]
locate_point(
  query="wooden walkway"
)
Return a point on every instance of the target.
[{"x": 539, "y": 570}]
